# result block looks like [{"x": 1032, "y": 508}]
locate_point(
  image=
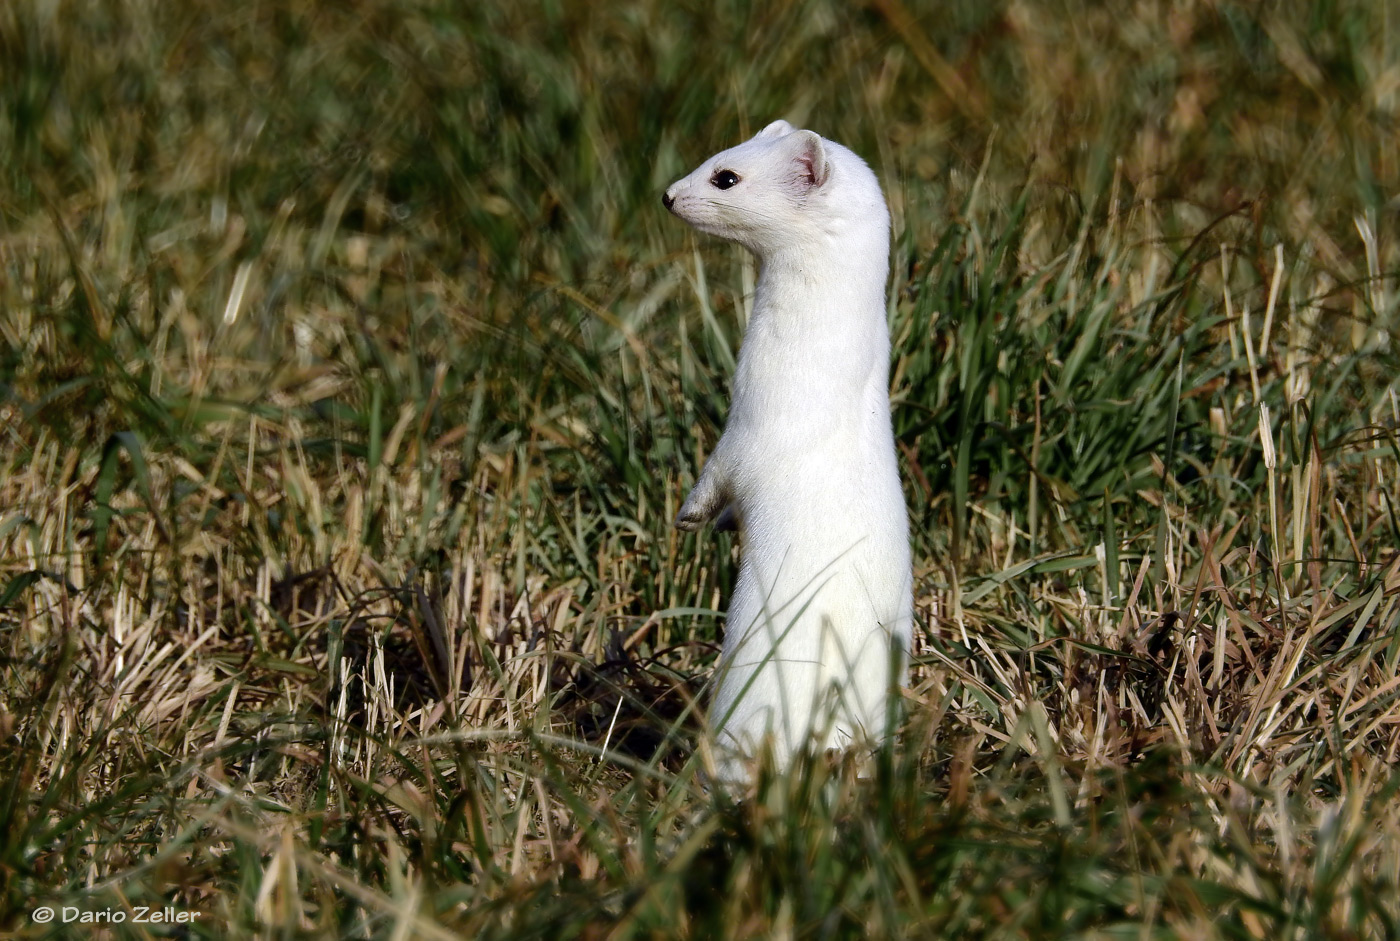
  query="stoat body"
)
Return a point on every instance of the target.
[{"x": 819, "y": 622}]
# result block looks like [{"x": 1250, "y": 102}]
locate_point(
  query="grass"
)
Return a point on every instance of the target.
[{"x": 351, "y": 373}]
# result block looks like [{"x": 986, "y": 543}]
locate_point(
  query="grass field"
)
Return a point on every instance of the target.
[{"x": 351, "y": 373}]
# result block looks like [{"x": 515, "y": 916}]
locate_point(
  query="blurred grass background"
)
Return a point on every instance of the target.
[{"x": 351, "y": 373}]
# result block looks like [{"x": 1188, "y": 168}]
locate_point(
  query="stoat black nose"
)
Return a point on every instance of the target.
[{"x": 667, "y": 201}]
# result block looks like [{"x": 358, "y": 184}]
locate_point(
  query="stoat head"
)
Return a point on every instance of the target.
[{"x": 780, "y": 190}]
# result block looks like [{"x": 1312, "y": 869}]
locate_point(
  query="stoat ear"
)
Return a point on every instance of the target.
[
  {"x": 809, "y": 158},
  {"x": 778, "y": 128}
]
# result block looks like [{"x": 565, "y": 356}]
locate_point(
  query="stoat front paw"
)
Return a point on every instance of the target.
[
  {"x": 727, "y": 521},
  {"x": 698, "y": 509},
  {"x": 690, "y": 518}
]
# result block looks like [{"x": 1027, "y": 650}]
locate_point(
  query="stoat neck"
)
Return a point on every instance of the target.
[{"x": 806, "y": 289}]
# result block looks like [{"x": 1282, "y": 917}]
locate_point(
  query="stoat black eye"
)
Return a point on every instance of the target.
[{"x": 724, "y": 179}]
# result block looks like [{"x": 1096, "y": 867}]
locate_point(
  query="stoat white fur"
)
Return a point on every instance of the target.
[{"x": 819, "y": 623}]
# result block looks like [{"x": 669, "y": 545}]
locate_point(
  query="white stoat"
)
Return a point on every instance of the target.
[{"x": 820, "y": 620}]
